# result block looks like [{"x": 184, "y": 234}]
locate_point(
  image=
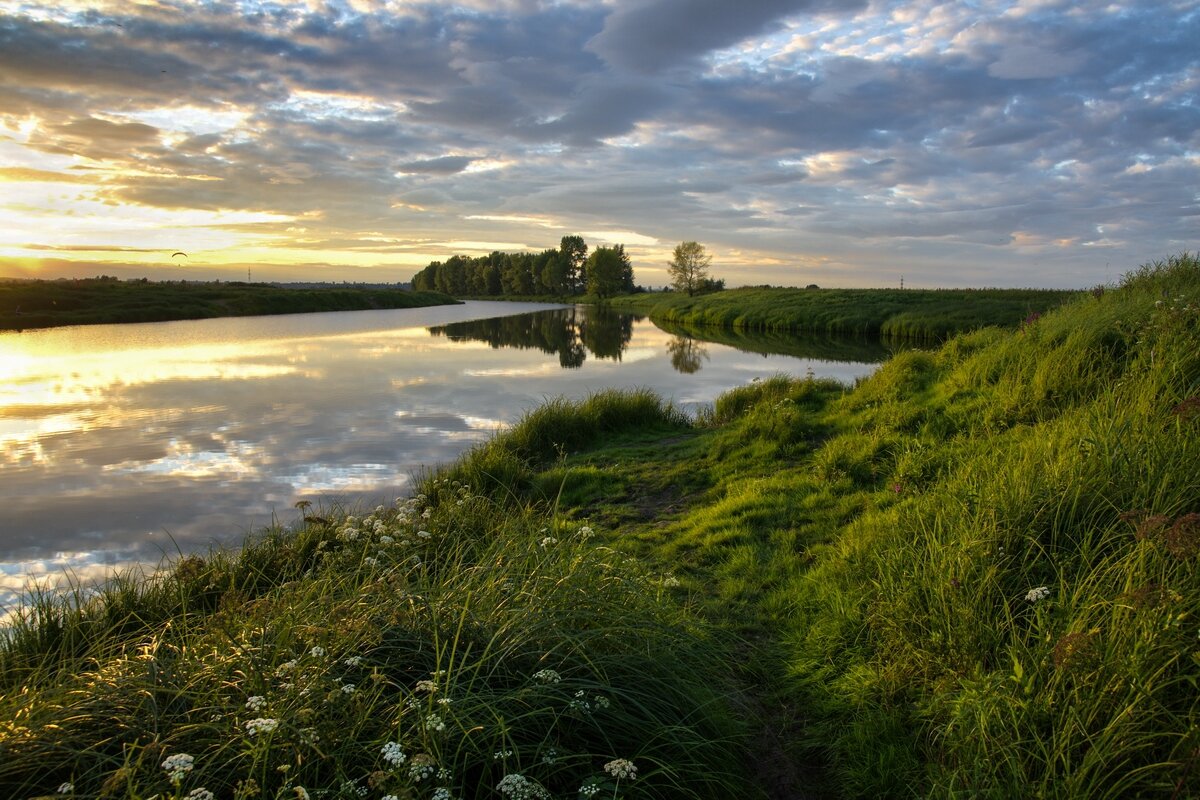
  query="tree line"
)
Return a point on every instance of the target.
[{"x": 566, "y": 270}]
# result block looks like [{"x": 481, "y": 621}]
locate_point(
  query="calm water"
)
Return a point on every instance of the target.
[{"x": 120, "y": 444}]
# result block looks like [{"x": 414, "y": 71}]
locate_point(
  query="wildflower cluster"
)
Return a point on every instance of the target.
[
  {"x": 393, "y": 754},
  {"x": 261, "y": 726},
  {"x": 621, "y": 769},
  {"x": 178, "y": 766},
  {"x": 517, "y": 787},
  {"x": 1037, "y": 594}
]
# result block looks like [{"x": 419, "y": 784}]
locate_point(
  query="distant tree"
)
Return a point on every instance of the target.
[
  {"x": 573, "y": 251},
  {"x": 688, "y": 267},
  {"x": 605, "y": 268}
]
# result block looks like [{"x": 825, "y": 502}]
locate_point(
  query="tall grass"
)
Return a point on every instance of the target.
[{"x": 442, "y": 647}]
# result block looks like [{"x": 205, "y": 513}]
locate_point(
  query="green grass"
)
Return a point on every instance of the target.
[
  {"x": 973, "y": 574},
  {"x": 42, "y": 304},
  {"x": 877, "y": 545},
  {"x": 908, "y": 314}
]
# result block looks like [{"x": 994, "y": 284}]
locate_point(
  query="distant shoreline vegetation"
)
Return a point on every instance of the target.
[
  {"x": 107, "y": 300},
  {"x": 922, "y": 315}
]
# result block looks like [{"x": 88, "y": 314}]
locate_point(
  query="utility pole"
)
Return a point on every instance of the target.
[{"x": 901, "y": 281}]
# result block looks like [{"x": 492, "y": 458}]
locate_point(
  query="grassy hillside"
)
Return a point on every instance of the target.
[
  {"x": 43, "y": 304},
  {"x": 915, "y": 314},
  {"x": 974, "y": 574}
]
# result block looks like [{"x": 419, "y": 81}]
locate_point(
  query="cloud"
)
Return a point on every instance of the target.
[
  {"x": 652, "y": 35},
  {"x": 446, "y": 165}
]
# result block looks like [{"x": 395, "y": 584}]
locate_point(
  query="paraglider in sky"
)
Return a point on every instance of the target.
[{"x": 179, "y": 253}]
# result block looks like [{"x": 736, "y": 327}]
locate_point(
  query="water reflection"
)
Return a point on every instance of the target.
[
  {"x": 687, "y": 354},
  {"x": 570, "y": 333},
  {"x": 121, "y": 443}
]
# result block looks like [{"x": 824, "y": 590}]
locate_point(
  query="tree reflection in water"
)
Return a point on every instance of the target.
[
  {"x": 686, "y": 354},
  {"x": 571, "y": 333}
]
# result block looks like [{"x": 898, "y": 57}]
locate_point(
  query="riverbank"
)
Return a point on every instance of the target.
[
  {"x": 45, "y": 304},
  {"x": 973, "y": 573},
  {"x": 921, "y": 315}
]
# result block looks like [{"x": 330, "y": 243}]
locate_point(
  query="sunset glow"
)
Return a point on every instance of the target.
[{"x": 1006, "y": 142}]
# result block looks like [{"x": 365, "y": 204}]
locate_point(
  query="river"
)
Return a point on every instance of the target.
[{"x": 122, "y": 444}]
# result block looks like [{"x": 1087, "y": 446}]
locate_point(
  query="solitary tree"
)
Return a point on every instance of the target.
[{"x": 688, "y": 267}]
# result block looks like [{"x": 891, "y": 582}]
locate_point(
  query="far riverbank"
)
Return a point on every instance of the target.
[{"x": 98, "y": 301}]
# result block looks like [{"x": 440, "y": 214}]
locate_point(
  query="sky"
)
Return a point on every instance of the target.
[{"x": 838, "y": 142}]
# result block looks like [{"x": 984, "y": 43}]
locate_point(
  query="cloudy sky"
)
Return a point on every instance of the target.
[{"x": 842, "y": 142}]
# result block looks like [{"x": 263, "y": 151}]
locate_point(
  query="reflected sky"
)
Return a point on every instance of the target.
[{"x": 123, "y": 444}]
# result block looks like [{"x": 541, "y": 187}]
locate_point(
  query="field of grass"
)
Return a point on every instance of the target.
[
  {"x": 43, "y": 304},
  {"x": 973, "y": 574},
  {"x": 912, "y": 314}
]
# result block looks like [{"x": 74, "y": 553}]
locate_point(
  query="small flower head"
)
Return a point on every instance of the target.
[
  {"x": 547, "y": 676},
  {"x": 178, "y": 765},
  {"x": 348, "y": 688},
  {"x": 393, "y": 754},
  {"x": 421, "y": 766},
  {"x": 435, "y": 723},
  {"x": 1037, "y": 594},
  {"x": 426, "y": 686},
  {"x": 256, "y": 703},
  {"x": 317, "y": 652},
  {"x": 517, "y": 787},
  {"x": 302, "y": 793},
  {"x": 261, "y": 726},
  {"x": 621, "y": 769},
  {"x": 548, "y": 541},
  {"x": 200, "y": 794}
]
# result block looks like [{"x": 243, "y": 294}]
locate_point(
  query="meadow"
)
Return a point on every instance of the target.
[
  {"x": 972, "y": 574},
  {"x": 924, "y": 315},
  {"x": 92, "y": 301}
]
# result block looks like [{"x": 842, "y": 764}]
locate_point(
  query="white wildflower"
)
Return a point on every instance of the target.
[
  {"x": 317, "y": 652},
  {"x": 442, "y": 793},
  {"x": 309, "y": 736},
  {"x": 385, "y": 539},
  {"x": 393, "y": 754},
  {"x": 518, "y": 787},
  {"x": 434, "y": 723},
  {"x": 348, "y": 688},
  {"x": 261, "y": 725},
  {"x": 548, "y": 541},
  {"x": 285, "y": 668},
  {"x": 256, "y": 703},
  {"x": 586, "y": 532},
  {"x": 427, "y": 513},
  {"x": 353, "y": 661},
  {"x": 424, "y": 534},
  {"x": 621, "y": 768},
  {"x": 370, "y": 561},
  {"x": 421, "y": 766},
  {"x": 1037, "y": 594},
  {"x": 547, "y": 676},
  {"x": 200, "y": 794},
  {"x": 302, "y": 793},
  {"x": 501, "y": 754},
  {"x": 178, "y": 765},
  {"x": 426, "y": 686}
]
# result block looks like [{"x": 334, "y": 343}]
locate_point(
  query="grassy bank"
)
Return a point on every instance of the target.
[
  {"x": 974, "y": 574},
  {"x": 43, "y": 304},
  {"x": 913, "y": 314}
]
